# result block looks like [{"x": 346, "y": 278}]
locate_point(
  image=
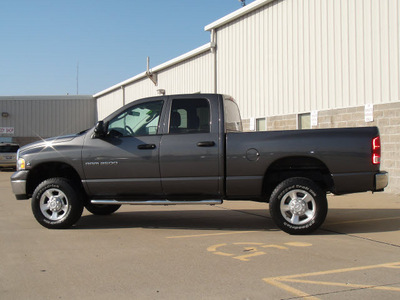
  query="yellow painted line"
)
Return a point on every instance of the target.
[
  {"x": 275, "y": 246},
  {"x": 299, "y": 244},
  {"x": 363, "y": 221},
  {"x": 223, "y": 253},
  {"x": 290, "y": 289},
  {"x": 245, "y": 257},
  {"x": 214, "y": 247},
  {"x": 351, "y": 285},
  {"x": 341, "y": 270},
  {"x": 248, "y": 243},
  {"x": 207, "y": 234},
  {"x": 394, "y": 266},
  {"x": 214, "y": 250}
]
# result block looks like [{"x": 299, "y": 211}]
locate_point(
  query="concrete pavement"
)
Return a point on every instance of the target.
[{"x": 228, "y": 251}]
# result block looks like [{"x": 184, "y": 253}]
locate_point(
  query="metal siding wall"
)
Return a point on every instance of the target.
[
  {"x": 295, "y": 56},
  {"x": 194, "y": 75},
  {"x": 46, "y": 118},
  {"x": 108, "y": 103},
  {"x": 140, "y": 89}
]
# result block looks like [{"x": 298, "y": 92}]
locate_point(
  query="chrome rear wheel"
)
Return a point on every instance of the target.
[{"x": 298, "y": 205}]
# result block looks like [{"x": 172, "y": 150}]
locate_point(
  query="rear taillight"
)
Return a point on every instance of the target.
[{"x": 376, "y": 151}]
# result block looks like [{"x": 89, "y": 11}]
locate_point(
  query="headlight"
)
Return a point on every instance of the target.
[{"x": 20, "y": 164}]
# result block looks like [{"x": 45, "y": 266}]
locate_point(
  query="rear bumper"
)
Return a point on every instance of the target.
[
  {"x": 347, "y": 183},
  {"x": 381, "y": 181}
]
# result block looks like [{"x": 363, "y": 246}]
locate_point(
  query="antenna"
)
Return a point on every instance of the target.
[
  {"x": 77, "y": 78},
  {"x": 243, "y": 2}
]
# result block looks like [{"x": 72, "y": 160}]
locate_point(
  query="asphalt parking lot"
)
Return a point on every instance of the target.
[{"x": 229, "y": 251}]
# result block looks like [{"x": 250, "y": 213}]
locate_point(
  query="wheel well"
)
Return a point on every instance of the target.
[
  {"x": 288, "y": 167},
  {"x": 51, "y": 170}
]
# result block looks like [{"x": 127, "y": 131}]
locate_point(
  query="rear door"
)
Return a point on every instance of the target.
[{"x": 190, "y": 157}]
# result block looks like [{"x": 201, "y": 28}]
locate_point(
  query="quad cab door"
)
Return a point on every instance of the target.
[
  {"x": 125, "y": 161},
  {"x": 191, "y": 165}
]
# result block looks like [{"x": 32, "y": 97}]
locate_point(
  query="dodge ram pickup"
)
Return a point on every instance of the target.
[{"x": 190, "y": 149}]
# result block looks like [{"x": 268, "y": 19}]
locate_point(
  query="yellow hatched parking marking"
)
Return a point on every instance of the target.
[
  {"x": 289, "y": 289},
  {"x": 281, "y": 281}
]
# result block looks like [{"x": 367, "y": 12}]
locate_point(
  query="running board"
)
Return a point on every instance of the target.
[{"x": 156, "y": 202}]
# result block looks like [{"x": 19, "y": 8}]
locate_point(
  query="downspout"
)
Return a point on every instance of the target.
[{"x": 214, "y": 51}]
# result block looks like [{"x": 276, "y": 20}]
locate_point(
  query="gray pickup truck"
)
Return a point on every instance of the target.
[{"x": 190, "y": 149}]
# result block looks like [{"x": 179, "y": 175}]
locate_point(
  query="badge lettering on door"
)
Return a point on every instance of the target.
[{"x": 101, "y": 163}]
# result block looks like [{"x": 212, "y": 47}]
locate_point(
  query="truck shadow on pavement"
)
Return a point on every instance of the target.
[
  {"x": 338, "y": 221},
  {"x": 352, "y": 221},
  {"x": 182, "y": 219}
]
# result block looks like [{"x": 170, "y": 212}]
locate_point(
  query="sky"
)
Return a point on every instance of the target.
[{"x": 46, "y": 45}]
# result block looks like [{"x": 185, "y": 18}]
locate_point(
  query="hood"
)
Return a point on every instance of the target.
[{"x": 53, "y": 141}]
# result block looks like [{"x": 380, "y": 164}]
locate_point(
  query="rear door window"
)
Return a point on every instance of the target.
[{"x": 189, "y": 116}]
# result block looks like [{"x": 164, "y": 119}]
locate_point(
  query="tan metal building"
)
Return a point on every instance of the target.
[
  {"x": 189, "y": 73},
  {"x": 294, "y": 64},
  {"x": 25, "y": 119}
]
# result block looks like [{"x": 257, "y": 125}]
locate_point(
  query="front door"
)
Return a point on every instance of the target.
[{"x": 126, "y": 161}]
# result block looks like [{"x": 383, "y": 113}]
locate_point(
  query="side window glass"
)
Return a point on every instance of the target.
[
  {"x": 138, "y": 120},
  {"x": 190, "y": 116},
  {"x": 233, "y": 122}
]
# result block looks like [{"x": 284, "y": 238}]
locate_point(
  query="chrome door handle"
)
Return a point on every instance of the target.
[
  {"x": 206, "y": 144},
  {"x": 146, "y": 147}
]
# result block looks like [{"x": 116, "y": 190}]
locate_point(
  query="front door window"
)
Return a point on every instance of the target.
[{"x": 139, "y": 120}]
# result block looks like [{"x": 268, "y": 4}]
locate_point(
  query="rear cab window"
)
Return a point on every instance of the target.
[{"x": 233, "y": 122}]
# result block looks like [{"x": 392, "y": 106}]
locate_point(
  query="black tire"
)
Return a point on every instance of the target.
[
  {"x": 101, "y": 209},
  {"x": 57, "y": 203},
  {"x": 298, "y": 206}
]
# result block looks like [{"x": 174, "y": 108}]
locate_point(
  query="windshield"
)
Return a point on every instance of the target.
[{"x": 8, "y": 148}]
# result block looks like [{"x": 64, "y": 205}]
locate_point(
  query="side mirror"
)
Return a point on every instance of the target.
[{"x": 99, "y": 130}]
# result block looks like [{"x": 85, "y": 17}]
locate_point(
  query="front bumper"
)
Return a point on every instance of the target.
[{"x": 18, "y": 184}]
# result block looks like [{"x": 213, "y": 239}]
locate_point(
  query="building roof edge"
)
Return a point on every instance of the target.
[
  {"x": 237, "y": 14},
  {"x": 158, "y": 68}
]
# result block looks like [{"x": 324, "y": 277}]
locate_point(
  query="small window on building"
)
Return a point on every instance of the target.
[
  {"x": 260, "y": 124},
  {"x": 304, "y": 121}
]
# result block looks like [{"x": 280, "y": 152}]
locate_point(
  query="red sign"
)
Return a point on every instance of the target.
[{"x": 6, "y": 130}]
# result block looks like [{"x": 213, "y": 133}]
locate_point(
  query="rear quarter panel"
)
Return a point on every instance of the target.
[{"x": 343, "y": 151}]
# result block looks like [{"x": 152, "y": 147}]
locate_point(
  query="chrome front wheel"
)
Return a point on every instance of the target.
[
  {"x": 57, "y": 203},
  {"x": 54, "y": 204}
]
